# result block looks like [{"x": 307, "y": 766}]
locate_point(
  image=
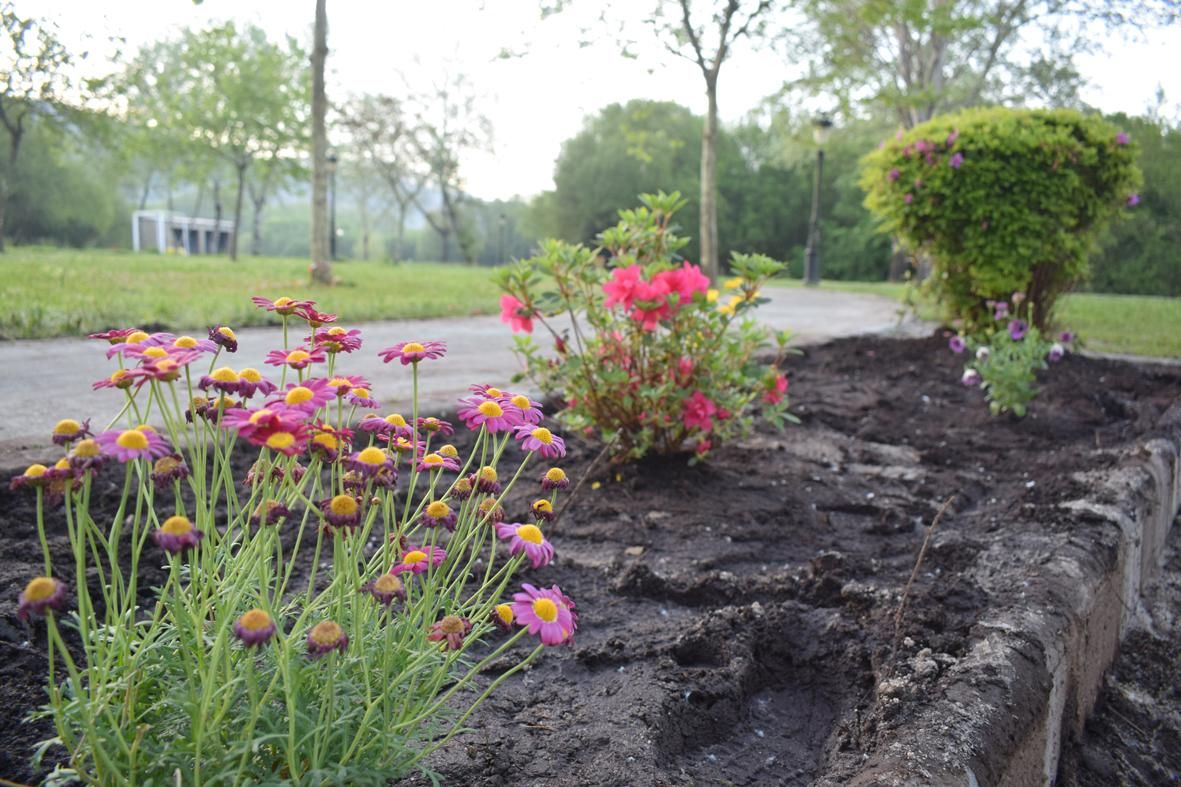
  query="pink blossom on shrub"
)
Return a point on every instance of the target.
[
  {"x": 698, "y": 411},
  {"x": 512, "y": 312},
  {"x": 621, "y": 287}
]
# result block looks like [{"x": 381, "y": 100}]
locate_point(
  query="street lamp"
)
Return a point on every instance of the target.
[
  {"x": 331, "y": 161},
  {"x": 821, "y": 130}
]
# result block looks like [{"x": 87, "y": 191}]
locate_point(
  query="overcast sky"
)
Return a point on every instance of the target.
[{"x": 536, "y": 101}]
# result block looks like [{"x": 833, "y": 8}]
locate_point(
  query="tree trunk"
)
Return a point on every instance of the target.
[
  {"x": 259, "y": 203},
  {"x": 143, "y": 197},
  {"x": 200, "y": 200},
  {"x": 241, "y": 167},
  {"x": 14, "y": 146},
  {"x": 709, "y": 184},
  {"x": 400, "y": 232},
  {"x": 321, "y": 264}
]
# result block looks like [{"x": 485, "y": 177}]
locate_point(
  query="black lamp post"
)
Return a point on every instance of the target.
[
  {"x": 821, "y": 129},
  {"x": 331, "y": 161}
]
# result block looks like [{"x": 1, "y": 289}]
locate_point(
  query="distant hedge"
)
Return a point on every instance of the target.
[{"x": 1003, "y": 200}]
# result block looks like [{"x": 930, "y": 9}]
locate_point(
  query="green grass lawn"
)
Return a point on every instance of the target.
[
  {"x": 1129, "y": 324},
  {"x": 67, "y": 292}
]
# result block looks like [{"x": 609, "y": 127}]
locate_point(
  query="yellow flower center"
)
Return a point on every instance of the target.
[
  {"x": 261, "y": 414},
  {"x": 438, "y": 509},
  {"x": 530, "y": 533},
  {"x": 184, "y": 342},
  {"x": 224, "y": 374},
  {"x": 62, "y": 464},
  {"x": 495, "y": 392},
  {"x": 413, "y": 556},
  {"x": 343, "y": 505},
  {"x": 337, "y": 331},
  {"x": 451, "y": 624},
  {"x": 227, "y": 332},
  {"x": 339, "y": 382},
  {"x": 66, "y": 427},
  {"x": 432, "y": 460},
  {"x": 412, "y": 347},
  {"x": 281, "y": 440},
  {"x": 326, "y": 633},
  {"x": 545, "y": 609},
  {"x": 488, "y": 474},
  {"x": 361, "y": 392},
  {"x": 298, "y": 395},
  {"x": 164, "y": 465},
  {"x": 87, "y": 448},
  {"x": 463, "y": 485},
  {"x": 387, "y": 583},
  {"x": 543, "y": 506},
  {"x": 395, "y": 419},
  {"x": 255, "y": 620},
  {"x": 284, "y": 301},
  {"x": 372, "y": 456},
  {"x": 177, "y": 526},
  {"x": 521, "y": 402},
  {"x": 250, "y": 375},
  {"x": 166, "y": 365},
  {"x": 449, "y": 451},
  {"x": 491, "y": 409},
  {"x": 555, "y": 475},
  {"x": 156, "y": 352},
  {"x": 326, "y": 441},
  {"x": 40, "y": 589},
  {"x": 136, "y": 338},
  {"x": 118, "y": 375},
  {"x": 297, "y": 356},
  {"x": 545, "y": 436},
  {"x": 505, "y": 613},
  {"x": 35, "y": 471},
  {"x": 132, "y": 439},
  {"x": 145, "y": 428}
]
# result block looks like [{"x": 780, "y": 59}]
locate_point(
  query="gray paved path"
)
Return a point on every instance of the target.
[{"x": 47, "y": 380}]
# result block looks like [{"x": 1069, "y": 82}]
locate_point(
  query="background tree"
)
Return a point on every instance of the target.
[
  {"x": 707, "y": 39},
  {"x": 447, "y": 127},
  {"x": 321, "y": 258},
  {"x": 268, "y": 174},
  {"x": 33, "y": 78},
  {"x": 382, "y": 132}
]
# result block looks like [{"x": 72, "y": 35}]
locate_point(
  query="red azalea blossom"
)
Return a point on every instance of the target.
[
  {"x": 513, "y": 312},
  {"x": 698, "y": 411}
]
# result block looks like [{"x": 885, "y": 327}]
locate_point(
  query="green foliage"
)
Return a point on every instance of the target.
[
  {"x": 312, "y": 627},
  {"x": 1004, "y": 356},
  {"x": 1003, "y": 200},
  {"x": 1141, "y": 253},
  {"x": 660, "y": 364}
]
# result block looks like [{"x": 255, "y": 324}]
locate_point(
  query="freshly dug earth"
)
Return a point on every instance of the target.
[{"x": 737, "y": 617}]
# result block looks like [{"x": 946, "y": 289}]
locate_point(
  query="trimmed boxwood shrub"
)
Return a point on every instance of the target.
[{"x": 1003, "y": 200}]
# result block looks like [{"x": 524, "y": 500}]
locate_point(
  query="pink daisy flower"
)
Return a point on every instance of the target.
[
  {"x": 416, "y": 560},
  {"x": 530, "y": 410},
  {"x": 434, "y": 425},
  {"x": 439, "y": 514},
  {"x": 527, "y": 539},
  {"x": 341, "y": 384},
  {"x": 299, "y": 358},
  {"x": 251, "y": 381},
  {"x": 139, "y": 443},
  {"x": 222, "y": 379},
  {"x": 337, "y": 339},
  {"x": 432, "y": 462},
  {"x": 179, "y": 344},
  {"x": 542, "y": 441},
  {"x": 68, "y": 430},
  {"x": 308, "y": 396},
  {"x": 548, "y": 613},
  {"x": 361, "y": 397},
  {"x": 325, "y": 637},
  {"x": 285, "y": 306},
  {"x": 315, "y": 319},
  {"x": 254, "y": 627},
  {"x": 385, "y": 589},
  {"x": 176, "y": 534},
  {"x": 223, "y": 336},
  {"x": 114, "y": 336},
  {"x": 40, "y": 594},
  {"x": 496, "y": 416},
  {"x": 450, "y": 630},
  {"x": 554, "y": 478},
  {"x": 369, "y": 461},
  {"x": 413, "y": 352}
]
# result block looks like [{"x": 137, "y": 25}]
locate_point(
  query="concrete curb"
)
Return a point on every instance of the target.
[{"x": 998, "y": 716}]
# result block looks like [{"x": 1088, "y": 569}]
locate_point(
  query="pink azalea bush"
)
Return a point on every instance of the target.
[{"x": 645, "y": 350}]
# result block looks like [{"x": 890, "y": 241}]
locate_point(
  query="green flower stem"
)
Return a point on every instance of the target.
[{"x": 41, "y": 531}]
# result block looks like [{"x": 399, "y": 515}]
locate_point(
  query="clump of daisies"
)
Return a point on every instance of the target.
[
  {"x": 646, "y": 351},
  {"x": 324, "y": 606},
  {"x": 1004, "y": 356}
]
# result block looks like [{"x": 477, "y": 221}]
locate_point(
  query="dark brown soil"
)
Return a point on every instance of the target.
[{"x": 737, "y": 616}]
